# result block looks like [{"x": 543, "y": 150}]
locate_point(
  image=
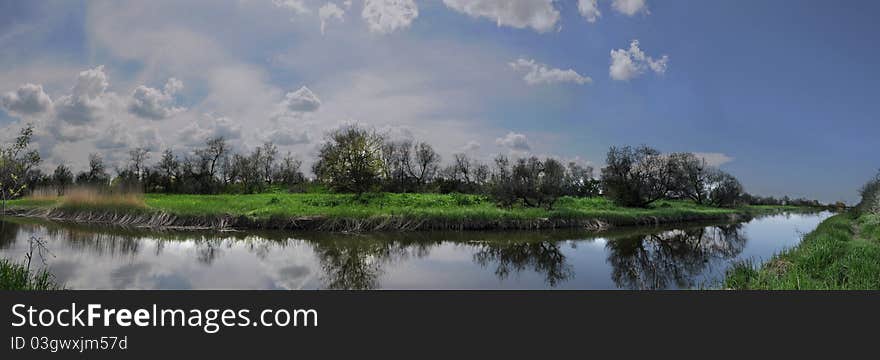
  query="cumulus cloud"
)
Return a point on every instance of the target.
[
  {"x": 714, "y": 159},
  {"x": 87, "y": 98},
  {"x": 328, "y": 12},
  {"x": 29, "y": 99},
  {"x": 210, "y": 126},
  {"x": 471, "y": 146},
  {"x": 301, "y": 101},
  {"x": 627, "y": 64},
  {"x": 297, "y": 6},
  {"x": 286, "y": 137},
  {"x": 514, "y": 142},
  {"x": 537, "y": 73},
  {"x": 539, "y": 15},
  {"x": 589, "y": 9},
  {"x": 630, "y": 7},
  {"x": 114, "y": 137},
  {"x": 387, "y": 16},
  {"x": 153, "y": 103}
]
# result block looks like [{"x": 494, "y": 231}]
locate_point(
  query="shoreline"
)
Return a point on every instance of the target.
[{"x": 161, "y": 220}]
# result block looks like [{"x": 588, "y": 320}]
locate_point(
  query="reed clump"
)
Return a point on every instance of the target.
[{"x": 90, "y": 198}]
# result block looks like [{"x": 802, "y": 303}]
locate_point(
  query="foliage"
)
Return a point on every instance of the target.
[
  {"x": 635, "y": 177},
  {"x": 17, "y": 277},
  {"x": 16, "y": 162},
  {"x": 351, "y": 160}
]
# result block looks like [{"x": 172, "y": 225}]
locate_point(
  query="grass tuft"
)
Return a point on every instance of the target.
[{"x": 16, "y": 277}]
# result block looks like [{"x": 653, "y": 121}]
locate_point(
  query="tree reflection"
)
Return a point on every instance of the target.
[
  {"x": 8, "y": 234},
  {"x": 544, "y": 257},
  {"x": 673, "y": 258}
]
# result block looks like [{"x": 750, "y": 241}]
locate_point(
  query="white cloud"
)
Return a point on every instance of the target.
[
  {"x": 471, "y": 146},
  {"x": 589, "y": 9},
  {"x": 210, "y": 126},
  {"x": 300, "y": 101},
  {"x": 627, "y": 64},
  {"x": 537, "y": 73},
  {"x": 29, "y": 99},
  {"x": 114, "y": 137},
  {"x": 297, "y": 6},
  {"x": 714, "y": 159},
  {"x": 153, "y": 103},
  {"x": 329, "y": 11},
  {"x": 286, "y": 136},
  {"x": 387, "y": 16},
  {"x": 514, "y": 142},
  {"x": 630, "y": 7},
  {"x": 83, "y": 106},
  {"x": 539, "y": 15}
]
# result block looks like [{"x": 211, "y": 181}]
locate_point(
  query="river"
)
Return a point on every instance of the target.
[{"x": 676, "y": 257}]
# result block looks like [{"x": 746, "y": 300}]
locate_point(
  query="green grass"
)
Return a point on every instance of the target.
[
  {"x": 16, "y": 277},
  {"x": 435, "y": 206},
  {"x": 843, "y": 253}
]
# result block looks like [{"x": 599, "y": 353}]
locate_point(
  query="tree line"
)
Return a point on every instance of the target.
[{"x": 357, "y": 160}]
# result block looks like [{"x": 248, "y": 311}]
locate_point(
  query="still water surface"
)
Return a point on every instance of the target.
[{"x": 635, "y": 258}]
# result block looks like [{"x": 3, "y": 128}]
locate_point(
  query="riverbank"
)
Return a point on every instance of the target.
[
  {"x": 843, "y": 253},
  {"x": 371, "y": 212}
]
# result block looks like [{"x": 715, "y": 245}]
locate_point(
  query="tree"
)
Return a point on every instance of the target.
[
  {"x": 168, "y": 168},
  {"x": 136, "y": 159},
  {"x": 579, "y": 181},
  {"x": 724, "y": 189},
  {"x": 690, "y": 177},
  {"x": 215, "y": 149},
  {"x": 552, "y": 182},
  {"x": 97, "y": 173},
  {"x": 425, "y": 165},
  {"x": 351, "y": 160},
  {"x": 62, "y": 178},
  {"x": 16, "y": 162},
  {"x": 289, "y": 173},
  {"x": 269, "y": 155},
  {"x": 635, "y": 177}
]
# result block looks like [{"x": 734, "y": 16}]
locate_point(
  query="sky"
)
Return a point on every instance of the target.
[{"x": 781, "y": 93}]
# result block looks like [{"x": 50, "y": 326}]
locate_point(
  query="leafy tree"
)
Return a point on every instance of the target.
[
  {"x": 351, "y": 160},
  {"x": 690, "y": 177},
  {"x": 16, "y": 162},
  {"x": 725, "y": 190},
  {"x": 635, "y": 177}
]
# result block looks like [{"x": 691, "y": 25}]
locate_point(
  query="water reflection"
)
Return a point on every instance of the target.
[
  {"x": 652, "y": 258},
  {"x": 672, "y": 259}
]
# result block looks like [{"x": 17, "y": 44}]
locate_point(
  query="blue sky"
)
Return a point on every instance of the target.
[{"x": 779, "y": 93}]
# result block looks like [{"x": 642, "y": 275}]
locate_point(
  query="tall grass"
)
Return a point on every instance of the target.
[
  {"x": 15, "y": 276},
  {"x": 89, "y": 197}
]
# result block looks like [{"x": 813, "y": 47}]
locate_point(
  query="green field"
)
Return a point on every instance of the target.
[
  {"x": 842, "y": 253},
  {"x": 434, "y": 206}
]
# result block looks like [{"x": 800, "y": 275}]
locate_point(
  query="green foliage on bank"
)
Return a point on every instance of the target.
[
  {"x": 15, "y": 276},
  {"x": 843, "y": 253},
  {"x": 461, "y": 207}
]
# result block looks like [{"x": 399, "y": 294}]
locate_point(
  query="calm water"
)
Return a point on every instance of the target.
[{"x": 638, "y": 258}]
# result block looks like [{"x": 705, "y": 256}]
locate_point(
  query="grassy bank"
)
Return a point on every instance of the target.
[
  {"x": 842, "y": 253},
  {"x": 402, "y": 211},
  {"x": 16, "y": 277}
]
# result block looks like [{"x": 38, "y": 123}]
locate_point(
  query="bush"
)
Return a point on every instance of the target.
[{"x": 870, "y": 192}]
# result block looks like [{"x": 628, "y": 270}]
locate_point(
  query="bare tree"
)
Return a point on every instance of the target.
[
  {"x": 137, "y": 158},
  {"x": 425, "y": 164}
]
